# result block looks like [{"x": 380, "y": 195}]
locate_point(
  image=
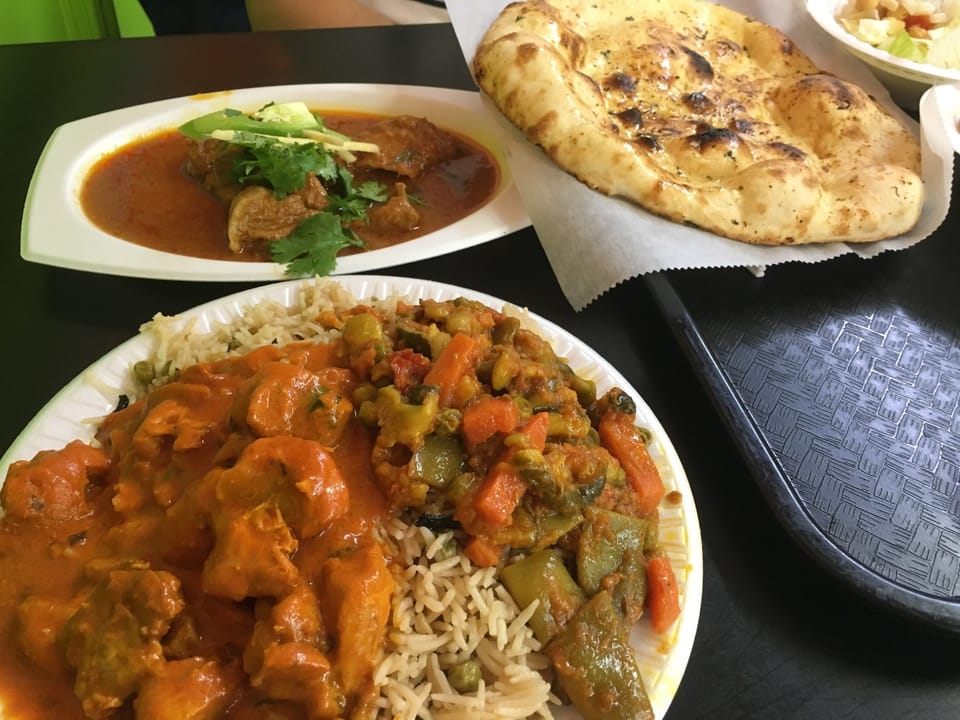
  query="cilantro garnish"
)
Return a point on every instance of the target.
[
  {"x": 278, "y": 154},
  {"x": 352, "y": 202},
  {"x": 283, "y": 167},
  {"x": 312, "y": 248}
]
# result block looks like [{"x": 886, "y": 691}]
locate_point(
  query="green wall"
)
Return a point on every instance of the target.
[{"x": 24, "y": 21}]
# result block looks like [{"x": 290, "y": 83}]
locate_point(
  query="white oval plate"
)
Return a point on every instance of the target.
[
  {"x": 55, "y": 230},
  {"x": 662, "y": 658}
]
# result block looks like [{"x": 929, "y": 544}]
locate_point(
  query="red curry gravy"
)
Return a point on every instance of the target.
[
  {"x": 141, "y": 194},
  {"x": 48, "y": 558}
]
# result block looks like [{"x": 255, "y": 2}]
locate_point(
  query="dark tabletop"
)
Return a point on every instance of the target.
[{"x": 779, "y": 637}]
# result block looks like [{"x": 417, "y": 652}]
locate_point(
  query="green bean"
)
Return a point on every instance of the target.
[
  {"x": 505, "y": 368},
  {"x": 448, "y": 421},
  {"x": 504, "y": 331}
]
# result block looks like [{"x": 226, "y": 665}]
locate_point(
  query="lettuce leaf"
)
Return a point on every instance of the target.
[{"x": 904, "y": 46}]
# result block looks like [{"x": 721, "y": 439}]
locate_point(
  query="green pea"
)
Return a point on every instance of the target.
[
  {"x": 144, "y": 372},
  {"x": 465, "y": 677}
]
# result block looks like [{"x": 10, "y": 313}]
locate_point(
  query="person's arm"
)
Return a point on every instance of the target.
[{"x": 293, "y": 14}]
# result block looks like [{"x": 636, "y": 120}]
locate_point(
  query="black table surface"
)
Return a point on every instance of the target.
[{"x": 778, "y": 636}]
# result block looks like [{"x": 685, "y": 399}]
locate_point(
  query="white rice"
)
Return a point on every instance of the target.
[
  {"x": 179, "y": 344},
  {"x": 445, "y": 611}
]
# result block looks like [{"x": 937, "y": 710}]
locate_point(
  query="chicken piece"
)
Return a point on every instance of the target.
[
  {"x": 53, "y": 485},
  {"x": 180, "y": 422},
  {"x": 300, "y": 673},
  {"x": 251, "y": 557},
  {"x": 407, "y": 145},
  {"x": 39, "y": 625},
  {"x": 185, "y": 537},
  {"x": 195, "y": 688},
  {"x": 293, "y": 618},
  {"x": 183, "y": 639},
  {"x": 355, "y": 592},
  {"x": 236, "y": 366},
  {"x": 396, "y": 215},
  {"x": 297, "y": 476},
  {"x": 283, "y": 399},
  {"x": 210, "y": 162},
  {"x": 286, "y": 657},
  {"x": 113, "y": 640},
  {"x": 182, "y": 416},
  {"x": 256, "y": 214}
]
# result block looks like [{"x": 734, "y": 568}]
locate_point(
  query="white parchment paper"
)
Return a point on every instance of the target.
[{"x": 594, "y": 242}]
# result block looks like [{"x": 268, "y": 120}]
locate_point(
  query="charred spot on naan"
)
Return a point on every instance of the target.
[
  {"x": 648, "y": 143},
  {"x": 620, "y": 82},
  {"x": 630, "y": 118},
  {"x": 712, "y": 137},
  {"x": 788, "y": 149},
  {"x": 699, "y": 64},
  {"x": 698, "y": 102}
]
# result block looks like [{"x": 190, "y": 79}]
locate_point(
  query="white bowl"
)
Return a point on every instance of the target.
[
  {"x": 942, "y": 104},
  {"x": 906, "y": 80}
]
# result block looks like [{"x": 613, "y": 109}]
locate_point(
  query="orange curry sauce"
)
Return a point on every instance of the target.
[
  {"x": 140, "y": 193},
  {"x": 160, "y": 494}
]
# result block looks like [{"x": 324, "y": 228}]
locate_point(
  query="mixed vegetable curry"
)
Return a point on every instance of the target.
[
  {"x": 216, "y": 551},
  {"x": 283, "y": 184}
]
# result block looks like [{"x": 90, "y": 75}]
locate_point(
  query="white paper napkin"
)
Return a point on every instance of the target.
[{"x": 594, "y": 241}]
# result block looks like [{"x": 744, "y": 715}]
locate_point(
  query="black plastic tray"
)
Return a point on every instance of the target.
[{"x": 840, "y": 382}]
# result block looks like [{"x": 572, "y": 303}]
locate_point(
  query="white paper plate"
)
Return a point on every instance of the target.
[
  {"x": 55, "y": 231},
  {"x": 662, "y": 658}
]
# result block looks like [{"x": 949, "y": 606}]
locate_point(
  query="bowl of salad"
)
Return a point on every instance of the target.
[{"x": 909, "y": 45}]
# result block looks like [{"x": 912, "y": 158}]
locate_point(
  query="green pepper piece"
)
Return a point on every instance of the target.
[
  {"x": 286, "y": 119},
  {"x": 606, "y": 536},
  {"x": 630, "y": 590},
  {"x": 438, "y": 461},
  {"x": 596, "y": 666},
  {"x": 552, "y": 526},
  {"x": 543, "y": 576}
]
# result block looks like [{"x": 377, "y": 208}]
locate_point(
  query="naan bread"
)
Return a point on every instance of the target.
[{"x": 704, "y": 116}]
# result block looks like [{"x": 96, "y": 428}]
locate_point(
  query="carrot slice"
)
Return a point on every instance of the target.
[
  {"x": 451, "y": 366},
  {"x": 663, "y": 596},
  {"x": 499, "y": 495},
  {"x": 488, "y": 416},
  {"x": 482, "y": 552},
  {"x": 503, "y": 486},
  {"x": 621, "y": 437},
  {"x": 536, "y": 430}
]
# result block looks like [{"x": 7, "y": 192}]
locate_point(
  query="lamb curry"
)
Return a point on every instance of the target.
[{"x": 197, "y": 196}]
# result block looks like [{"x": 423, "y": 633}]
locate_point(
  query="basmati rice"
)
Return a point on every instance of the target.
[{"x": 446, "y": 612}]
